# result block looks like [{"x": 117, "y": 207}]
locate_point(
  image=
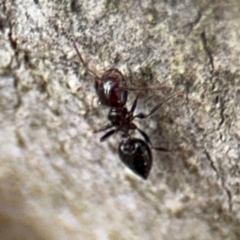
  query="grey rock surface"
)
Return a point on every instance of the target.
[{"x": 58, "y": 181}]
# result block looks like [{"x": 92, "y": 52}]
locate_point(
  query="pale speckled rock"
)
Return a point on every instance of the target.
[{"x": 58, "y": 181}]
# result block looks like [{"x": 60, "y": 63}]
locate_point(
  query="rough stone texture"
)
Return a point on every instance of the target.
[{"x": 58, "y": 181}]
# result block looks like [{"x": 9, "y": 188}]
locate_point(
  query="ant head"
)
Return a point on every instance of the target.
[{"x": 111, "y": 89}]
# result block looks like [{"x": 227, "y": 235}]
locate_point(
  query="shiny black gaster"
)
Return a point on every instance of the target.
[{"x": 136, "y": 155}]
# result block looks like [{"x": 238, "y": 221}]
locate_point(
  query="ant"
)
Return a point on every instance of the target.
[{"x": 112, "y": 92}]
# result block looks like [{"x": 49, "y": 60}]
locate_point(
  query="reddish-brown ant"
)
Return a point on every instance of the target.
[{"x": 112, "y": 92}]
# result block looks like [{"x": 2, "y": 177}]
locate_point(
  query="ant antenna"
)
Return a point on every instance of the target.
[
  {"x": 81, "y": 59},
  {"x": 159, "y": 87},
  {"x": 143, "y": 115}
]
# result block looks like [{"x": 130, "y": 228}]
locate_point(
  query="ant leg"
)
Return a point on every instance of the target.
[
  {"x": 146, "y": 138},
  {"x": 161, "y": 149},
  {"x": 144, "y": 115},
  {"x": 82, "y": 61},
  {"x": 107, "y": 135},
  {"x": 103, "y": 128},
  {"x": 134, "y": 104}
]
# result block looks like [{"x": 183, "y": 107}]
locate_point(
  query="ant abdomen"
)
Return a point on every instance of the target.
[
  {"x": 111, "y": 88},
  {"x": 136, "y": 155}
]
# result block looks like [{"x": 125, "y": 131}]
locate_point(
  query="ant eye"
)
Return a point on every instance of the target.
[{"x": 136, "y": 155}]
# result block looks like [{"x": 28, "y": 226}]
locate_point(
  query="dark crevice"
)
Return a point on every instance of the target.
[
  {"x": 229, "y": 195},
  {"x": 210, "y": 57},
  {"x": 211, "y": 63},
  {"x": 227, "y": 191},
  {"x": 221, "y": 177},
  {"x": 19, "y": 100},
  {"x": 208, "y": 52},
  {"x": 222, "y": 109},
  {"x": 194, "y": 23},
  {"x": 74, "y": 6},
  {"x": 12, "y": 41},
  {"x": 3, "y": 4},
  {"x": 211, "y": 162}
]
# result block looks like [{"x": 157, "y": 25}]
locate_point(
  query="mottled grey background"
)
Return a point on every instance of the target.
[{"x": 57, "y": 181}]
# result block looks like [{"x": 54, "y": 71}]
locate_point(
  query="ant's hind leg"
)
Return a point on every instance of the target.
[
  {"x": 161, "y": 149},
  {"x": 147, "y": 139},
  {"x": 145, "y": 136}
]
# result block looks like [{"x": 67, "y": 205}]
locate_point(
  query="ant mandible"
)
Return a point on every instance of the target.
[{"x": 112, "y": 92}]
